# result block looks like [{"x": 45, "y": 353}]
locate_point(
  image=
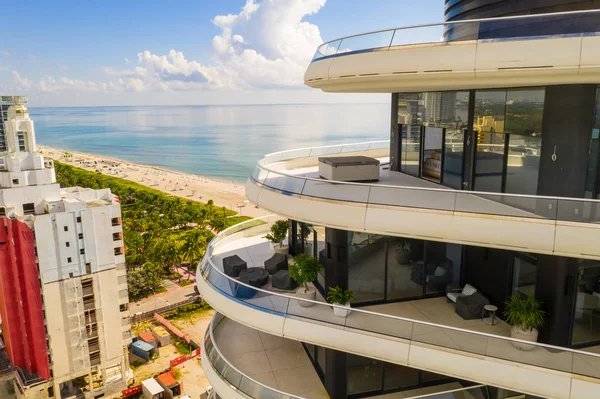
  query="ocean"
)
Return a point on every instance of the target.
[{"x": 222, "y": 142}]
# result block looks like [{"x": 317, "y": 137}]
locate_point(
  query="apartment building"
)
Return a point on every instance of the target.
[{"x": 63, "y": 284}]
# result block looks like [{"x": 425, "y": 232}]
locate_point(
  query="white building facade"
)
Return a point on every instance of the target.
[{"x": 81, "y": 295}]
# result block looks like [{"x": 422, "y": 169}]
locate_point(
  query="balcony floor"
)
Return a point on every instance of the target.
[
  {"x": 255, "y": 250},
  {"x": 474, "y": 203},
  {"x": 274, "y": 361}
]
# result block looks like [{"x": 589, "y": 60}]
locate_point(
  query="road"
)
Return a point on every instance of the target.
[{"x": 161, "y": 300}]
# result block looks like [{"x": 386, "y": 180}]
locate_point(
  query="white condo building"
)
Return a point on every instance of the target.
[
  {"x": 63, "y": 284},
  {"x": 486, "y": 196}
]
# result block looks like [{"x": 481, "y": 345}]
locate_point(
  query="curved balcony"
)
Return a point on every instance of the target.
[
  {"x": 288, "y": 184},
  {"x": 387, "y": 333},
  {"x": 530, "y": 50},
  {"x": 227, "y": 379}
]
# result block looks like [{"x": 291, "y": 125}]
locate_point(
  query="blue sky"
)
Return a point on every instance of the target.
[{"x": 86, "y": 53}]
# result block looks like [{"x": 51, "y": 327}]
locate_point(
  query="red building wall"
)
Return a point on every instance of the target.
[{"x": 21, "y": 299}]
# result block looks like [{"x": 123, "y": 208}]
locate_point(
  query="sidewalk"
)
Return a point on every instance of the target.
[
  {"x": 184, "y": 273},
  {"x": 163, "y": 299}
]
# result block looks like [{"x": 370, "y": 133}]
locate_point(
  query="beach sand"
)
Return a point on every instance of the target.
[{"x": 198, "y": 188}]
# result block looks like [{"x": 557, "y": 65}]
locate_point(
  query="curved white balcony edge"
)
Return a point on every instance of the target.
[
  {"x": 488, "y": 52},
  {"x": 230, "y": 382},
  {"x": 538, "y": 224},
  {"x": 278, "y": 314},
  {"x": 475, "y": 64}
]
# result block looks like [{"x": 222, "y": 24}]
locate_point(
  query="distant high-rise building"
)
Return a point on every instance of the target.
[{"x": 63, "y": 284}]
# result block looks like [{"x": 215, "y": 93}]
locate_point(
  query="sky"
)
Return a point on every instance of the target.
[{"x": 76, "y": 53}]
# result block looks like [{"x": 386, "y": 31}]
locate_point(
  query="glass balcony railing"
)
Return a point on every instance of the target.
[
  {"x": 501, "y": 28},
  {"x": 547, "y": 357},
  {"x": 228, "y": 372},
  {"x": 443, "y": 199}
]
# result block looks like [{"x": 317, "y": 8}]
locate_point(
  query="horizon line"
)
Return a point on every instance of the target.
[{"x": 202, "y": 105}]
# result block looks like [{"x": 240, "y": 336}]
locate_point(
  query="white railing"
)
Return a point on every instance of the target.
[
  {"x": 549, "y": 357},
  {"x": 499, "y": 28},
  {"x": 581, "y": 210},
  {"x": 234, "y": 377}
]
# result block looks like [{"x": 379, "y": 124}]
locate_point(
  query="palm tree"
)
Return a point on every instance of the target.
[{"x": 193, "y": 247}]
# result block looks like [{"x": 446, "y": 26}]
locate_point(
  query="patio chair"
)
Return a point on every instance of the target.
[{"x": 453, "y": 291}]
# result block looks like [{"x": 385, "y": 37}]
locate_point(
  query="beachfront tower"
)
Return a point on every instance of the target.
[
  {"x": 63, "y": 288},
  {"x": 470, "y": 239}
]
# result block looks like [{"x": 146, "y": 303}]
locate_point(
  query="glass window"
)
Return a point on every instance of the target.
[
  {"x": 411, "y": 149},
  {"x": 364, "y": 374},
  {"x": 489, "y": 162},
  {"x": 454, "y": 117},
  {"x": 586, "y": 327},
  {"x": 523, "y": 164},
  {"x": 442, "y": 266},
  {"x": 21, "y": 139},
  {"x": 490, "y": 109},
  {"x": 524, "y": 275},
  {"x": 453, "y": 159},
  {"x": 366, "y": 266},
  {"x": 404, "y": 276},
  {"x": 321, "y": 253},
  {"x": 591, "y": 184},
  {"x": 432, "y": 153},
  {"x": 524, "y": 111},
  {"x": 410, "y": 109},
  {"x": 396, "y": 376},
  {"x": 321, "y": 359}
]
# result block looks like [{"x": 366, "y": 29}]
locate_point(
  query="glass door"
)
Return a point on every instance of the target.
[{"x": 433, "y": 144}]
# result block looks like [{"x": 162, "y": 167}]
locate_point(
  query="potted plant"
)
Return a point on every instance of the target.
[
  {"x": 278, "y": 233},
  {"x": 305, "y": 232},
  {"x": 402, "y": 252},
  {"x": 304, "y": 270},
  {"x": 526, "y": 316},
  {"x": 342, "y": 297}
]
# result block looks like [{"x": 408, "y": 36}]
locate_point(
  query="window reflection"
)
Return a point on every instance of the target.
[
  {"x": 411, "y": 149},
  {"x": 523, "y": 164},
  {"x": 490, "y": 108},
  {"x": 524, "y": 111},
  {"x": 365, "y": 375},
  {"x": 586, "y": 326},
  {"x": 524, "y": 275},
  {"x": 366, "y": 267},
  {"x": 489, "y": 162},
  {"x": 591, "y": 185},
  {"x": 405, "y": 264},
  {"x": 321, "y": 253}
]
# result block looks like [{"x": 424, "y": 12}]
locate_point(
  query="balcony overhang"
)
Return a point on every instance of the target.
[
  {"x": 287, "y": 183},
  {"x": 466, "y": 354},
  {"x": 461, "y": 65}
]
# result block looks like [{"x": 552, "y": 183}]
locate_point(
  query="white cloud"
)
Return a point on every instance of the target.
[
  {"x": 63, "y": 84},
  {"x": 22, "y": 83},
  {"x": 267, "y": 45},
  {"x": 4, "y": 53}
]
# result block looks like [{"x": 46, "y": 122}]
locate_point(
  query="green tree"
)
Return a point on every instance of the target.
[
  {"x": 193, "y": 247},
  {"x": 218, "y": 223}
]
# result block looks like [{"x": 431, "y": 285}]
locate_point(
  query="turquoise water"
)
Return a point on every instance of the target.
[{"x": 217, "y": 141}]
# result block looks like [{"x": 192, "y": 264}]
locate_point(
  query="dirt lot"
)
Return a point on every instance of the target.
[{"x": 192, "y": 375}]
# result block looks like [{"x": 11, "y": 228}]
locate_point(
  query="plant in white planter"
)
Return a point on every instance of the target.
[
  {"x": 526, "y": 317},
  {"x": 304, "y": 270},
  {"x": 342, "y": 297},
  {"x": 402, "y": 252},
  {"x": 278, "y": 233},
  {"x": 305, "y": 232}
]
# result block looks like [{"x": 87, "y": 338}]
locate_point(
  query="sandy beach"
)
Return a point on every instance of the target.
[{"x": 198, "y": 188}]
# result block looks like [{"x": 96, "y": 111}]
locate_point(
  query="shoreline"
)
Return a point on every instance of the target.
[{"x": 190, "y": 186}]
